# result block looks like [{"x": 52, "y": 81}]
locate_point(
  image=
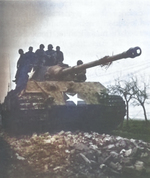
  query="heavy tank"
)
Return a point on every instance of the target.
[{"x": 53, "y": 100}]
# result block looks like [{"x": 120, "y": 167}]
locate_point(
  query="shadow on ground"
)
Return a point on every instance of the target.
[{"x": 10, "y": 167}]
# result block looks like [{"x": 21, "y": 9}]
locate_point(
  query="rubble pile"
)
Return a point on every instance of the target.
[{"x": 82, "y": 154}]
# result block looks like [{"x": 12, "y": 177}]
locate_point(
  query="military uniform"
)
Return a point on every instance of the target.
[
  {"x": 31, "y": 59},
  {"x": 80, "y": 76},
  {"x": 59, "y": 55},
  {"x": 50, "y": 56}
]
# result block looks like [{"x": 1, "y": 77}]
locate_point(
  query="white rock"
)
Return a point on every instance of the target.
[
  {"x": 58, "y": 167},
  {"x": 19, "y": 157},
  {"x": 61, "y": 132},
  {"x": 144, "y": 155},
  {"x": 87, "y": 135},
  {"x": 114, "y": 154},
  {"x": 122, "y": 143},
  {"x": 67, "y": 151},
  {"x": 47, "y": 141},
  {"x": 85, "y": 158},
  {"x": 122, "y": 151},
  {"x": 139, "y": 165},
  {"x": 128, "y": 152},
  {"x": 80, "y": 146},
  {"x": 107, "y": 139},
  {"x": 118, "y": 138},
  {"x": 110, "y": 146},
  {"x": 94, "y": 147},
  {"x": 102, "y": 166}
]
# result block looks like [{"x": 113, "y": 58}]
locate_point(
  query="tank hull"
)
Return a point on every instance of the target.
[
  {"x": 97, "y": 118},
  {"x": 55, "y": 106}
]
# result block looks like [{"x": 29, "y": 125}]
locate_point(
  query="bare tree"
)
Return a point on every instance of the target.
[
  {"x": 125, "y": 89},
  {"x": 141, "y": 95}
]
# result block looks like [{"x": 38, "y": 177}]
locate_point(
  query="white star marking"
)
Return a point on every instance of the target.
[
  {"x": 74, "y": 98},
  {"x": 31, "y": 73}
]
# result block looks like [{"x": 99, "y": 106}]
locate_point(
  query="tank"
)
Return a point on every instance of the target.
[{"x": 55, "y": 99}]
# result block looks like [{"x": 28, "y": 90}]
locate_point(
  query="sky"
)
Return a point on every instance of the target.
[{"x": 84, "y": 29}]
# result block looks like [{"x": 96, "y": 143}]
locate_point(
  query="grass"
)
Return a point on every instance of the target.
[{"x": 136, "y": 129}]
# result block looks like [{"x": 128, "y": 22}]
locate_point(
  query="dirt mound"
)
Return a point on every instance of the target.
[{"x": 76, "y": 154}]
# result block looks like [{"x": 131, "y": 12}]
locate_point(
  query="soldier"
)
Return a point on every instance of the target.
[
  {"x": 50, "y": 59},
  {"x": 59, "y": 55},
  {"x": 41, "y": 55},
  {"x": 22, "y": 71},
  {"x": 80, "y": 76},
  {"x": 31, "y": 58},
  {"x": 20, "y": 63}
]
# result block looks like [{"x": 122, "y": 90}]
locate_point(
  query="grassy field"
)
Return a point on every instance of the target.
[{"x": 136, "y": 129}]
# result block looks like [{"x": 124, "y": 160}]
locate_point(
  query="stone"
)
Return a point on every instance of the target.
[
  {"x": 134, "y": 151},
  {"x": 82, "y": 154},
  {"x": 122, "y": 151},
  {"x": 145, "y": 154},
  {"x": 61, "y": 132},
  {"x": 110, "y": 146},
  {"x": 19, "y": 157},
  {"x": 85, "y": 158},
  {"x": 80, "y": 146},
  {"x": 139, "y": 166},
  {"x": 102, "y": 166},
  {"x": 128, "y": 152},
  {"x": 47, "y": 141},
  {"x": 126, "y": 161},
  {"x": 114, "y": 154},
  {"x": 94, "y": 147},
  {"x": 117, "y": 166},
  {"x": 67, "y": 151},
  {"x": 58, "y": 167}
]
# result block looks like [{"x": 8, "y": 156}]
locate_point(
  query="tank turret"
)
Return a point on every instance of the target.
[
  {"x": 63, "y": 72},
  {"x": 53, "y": 100}
]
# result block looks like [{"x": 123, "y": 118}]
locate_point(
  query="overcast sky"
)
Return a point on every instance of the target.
[{"x": 84, "y": 29}]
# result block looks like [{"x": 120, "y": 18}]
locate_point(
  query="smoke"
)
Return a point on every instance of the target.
[{"x": 19, "y": 22}]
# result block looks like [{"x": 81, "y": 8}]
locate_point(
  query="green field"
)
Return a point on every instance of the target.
[{"x": 136, "y": 129}]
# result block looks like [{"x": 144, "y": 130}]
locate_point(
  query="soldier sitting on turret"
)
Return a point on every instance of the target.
[
  {"x": 50, "y": 56},
  {"x": 41, "y": 55},
  {"x": 80, "y": 76},
  {"x": 59, "y": 55},
  {"x": 31, "y": 58}
]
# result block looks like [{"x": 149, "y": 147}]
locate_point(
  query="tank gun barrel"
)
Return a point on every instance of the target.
[{"x": 131, "y": 53}]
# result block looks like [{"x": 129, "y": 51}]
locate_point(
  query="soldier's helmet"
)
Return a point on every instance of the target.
[
  {"x": 50, "y": 46},
  {"x": 57, "y": 48},
  {"x": 20, "y": 51},
  {"x": 42, "y": 46},
  {"x": 30, "y": 48},
  {"x": 79, "y": 62}
]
